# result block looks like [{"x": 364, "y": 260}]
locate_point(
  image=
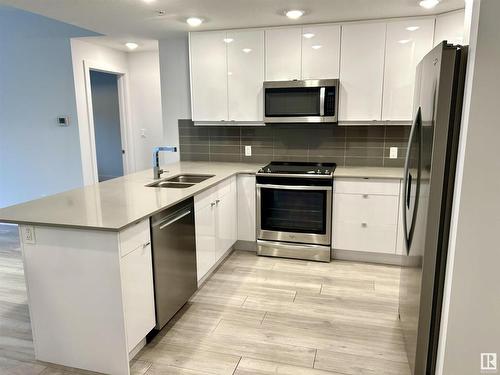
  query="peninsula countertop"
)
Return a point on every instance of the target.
[{"x": 117, "y": 203}]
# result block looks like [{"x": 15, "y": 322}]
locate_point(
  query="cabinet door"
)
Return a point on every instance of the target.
[
  {"x": 138, "y": 295},
  {"x": 320, "y": 52},
  {"x": 407, "y": 43},
  {"x": 245, "y": 60},
  {"x": 227, "y": 224},
  {"x": 205, "y": 238},
  {"x": 246, "y": 207},
  {"x": 283, "y": 54},
  {"x": 450, "y": 27},
  {"x": 208, "y": 76},
  {"x": 361, "y": 72}
]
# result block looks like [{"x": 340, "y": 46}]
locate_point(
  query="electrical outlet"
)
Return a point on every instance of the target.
[
  {"x": 393, "y": 153},
  {"x": 28, "y": 233},
  {"x": 248, "y": 150},
  {"x": 143, "y": 133}
]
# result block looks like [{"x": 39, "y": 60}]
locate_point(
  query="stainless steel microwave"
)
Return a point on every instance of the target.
[{"x": 311, "y": 100}]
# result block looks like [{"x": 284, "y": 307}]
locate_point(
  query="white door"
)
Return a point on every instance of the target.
[
  {"x": 245, "y": 60},
  {"x": 205, "y": 238},
  {"x": 283, "y": 54},
  {"x": 208, "y": 76},
  {"x": 407, "y": 43},
  {"x": 320, "y": 52},
  {"x": 227, "y": 224},
  {"x": 361, "y": 72},
  {"x": 138, "y": 295}
]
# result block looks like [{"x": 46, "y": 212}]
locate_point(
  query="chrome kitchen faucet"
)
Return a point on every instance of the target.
[{"x": 157, "y": 171}]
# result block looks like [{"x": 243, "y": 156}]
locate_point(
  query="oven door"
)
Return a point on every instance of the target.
[{"x": 294, "y": 213}]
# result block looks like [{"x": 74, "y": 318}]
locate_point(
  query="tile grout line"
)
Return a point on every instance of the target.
[
  {"x": 237, "y": 364},
  {"x": 264, "y": 317}
]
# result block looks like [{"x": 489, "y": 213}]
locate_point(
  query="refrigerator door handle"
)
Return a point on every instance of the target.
[{"x": 407, "y": 183}]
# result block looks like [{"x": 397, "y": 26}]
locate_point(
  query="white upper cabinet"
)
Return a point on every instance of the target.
[
  {"x": 320, "y": 52},
  {"x": 407, "y": 42},
  {"x": 450, "y": 27},
  {"x": 245, "y": 60},
  {"x": 283, "y": 54},
  {"x": 208, "y": 76},
  {"x": 361, "y": 71}
]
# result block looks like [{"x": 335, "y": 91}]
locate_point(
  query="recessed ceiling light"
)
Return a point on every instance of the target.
[
  {"x": 412, "y": 28},
  {"x": 308, "y": 35},
  {"x": 131, "y": 46},
  {"x": 228, "y": 40},
  {"x": 149, "y": 1},
  {"x": 194, "y": 21},
  {"x": 294, "y": 14},
  {"x": 428, "y": 4},
  {"x": 404, "y": 41},
  {"x": 247, "y": 50},
  {"x": 317, "y": 46}
]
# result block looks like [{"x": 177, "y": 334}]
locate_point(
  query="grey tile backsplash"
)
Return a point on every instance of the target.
[{"x": 346, "y": 146}]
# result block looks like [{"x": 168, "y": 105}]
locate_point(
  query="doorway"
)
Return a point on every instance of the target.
[{"x": 107, "y": 127}]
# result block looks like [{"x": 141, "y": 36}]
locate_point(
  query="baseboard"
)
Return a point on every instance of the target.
[
  {"x": 215, "y": 267},
  {"x": 137, "y": 349},
  {"x": 246, "y": 245},
  {"x": 367, "y": 257}
]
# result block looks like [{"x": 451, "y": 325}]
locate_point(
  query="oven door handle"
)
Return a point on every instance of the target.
[{"x": 293, "y": 187}]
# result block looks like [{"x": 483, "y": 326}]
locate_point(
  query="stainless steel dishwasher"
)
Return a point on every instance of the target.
[{"x": 174, "y": 259}]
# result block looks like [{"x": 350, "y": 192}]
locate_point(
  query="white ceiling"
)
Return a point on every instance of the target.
[{"x": 129, "y": 19}]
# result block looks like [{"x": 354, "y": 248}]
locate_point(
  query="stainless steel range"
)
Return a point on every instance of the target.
[{"x": 294, "y": 210}]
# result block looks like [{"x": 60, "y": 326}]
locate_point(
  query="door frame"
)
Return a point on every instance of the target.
[{"x": 128, "y": 158}]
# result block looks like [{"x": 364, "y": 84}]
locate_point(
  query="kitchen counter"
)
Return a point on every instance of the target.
[{"x": 115, "y": 204}]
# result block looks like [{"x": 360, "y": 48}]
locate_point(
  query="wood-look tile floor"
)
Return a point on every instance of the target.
[{"x": 254, "y": 316}]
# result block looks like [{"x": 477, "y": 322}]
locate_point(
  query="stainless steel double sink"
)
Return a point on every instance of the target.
[{"x": 181, "y": 181}]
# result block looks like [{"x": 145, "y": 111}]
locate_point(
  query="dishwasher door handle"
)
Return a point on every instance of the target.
[{"x": 167, "y": 222}]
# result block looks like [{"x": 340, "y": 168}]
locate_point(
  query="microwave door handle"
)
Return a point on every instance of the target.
[{"x": 322, "y": 101}]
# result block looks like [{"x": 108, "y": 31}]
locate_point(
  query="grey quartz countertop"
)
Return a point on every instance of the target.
[{"x": 117, "y": 203}]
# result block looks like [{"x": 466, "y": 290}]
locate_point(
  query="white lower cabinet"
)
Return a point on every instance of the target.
[
  {"x": 216, "y": 225},
  {"x": 136, "y": 269},
  {"x": 365, "y": 215},
  {"x": 205, "y": 236},
  {"x": 246, "y": 207}
]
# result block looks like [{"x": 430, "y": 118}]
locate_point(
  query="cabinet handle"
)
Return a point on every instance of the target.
[
  {"x": 365, "y": 196},
  {"x": 146, "y": 244},
  {"x": 217, "y": 201},
  {"x": 364, "y": 225},
  {"x": 212, "y": 204}
]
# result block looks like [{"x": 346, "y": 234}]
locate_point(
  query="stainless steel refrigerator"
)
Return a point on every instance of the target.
[{"x": 427, "y": 200}]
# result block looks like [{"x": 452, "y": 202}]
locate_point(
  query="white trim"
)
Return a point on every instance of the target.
[{"x": 125, "y": 121}]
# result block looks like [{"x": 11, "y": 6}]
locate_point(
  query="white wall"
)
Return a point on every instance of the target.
[
  {"x": 111, "y": 60},
  {"x": 175, "y": 89},
  {"x": 145, "y": 102},
  {"x": 471, "y": 314},
  {"x": 37, "y": 157}
]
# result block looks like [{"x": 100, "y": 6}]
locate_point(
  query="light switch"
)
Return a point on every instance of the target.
[
  {"x": 63, "y": 121},
  {"x": 143, "y": 133},
  {"x": 393, "y": 153},
  {"x": 248, "y": 150}
]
